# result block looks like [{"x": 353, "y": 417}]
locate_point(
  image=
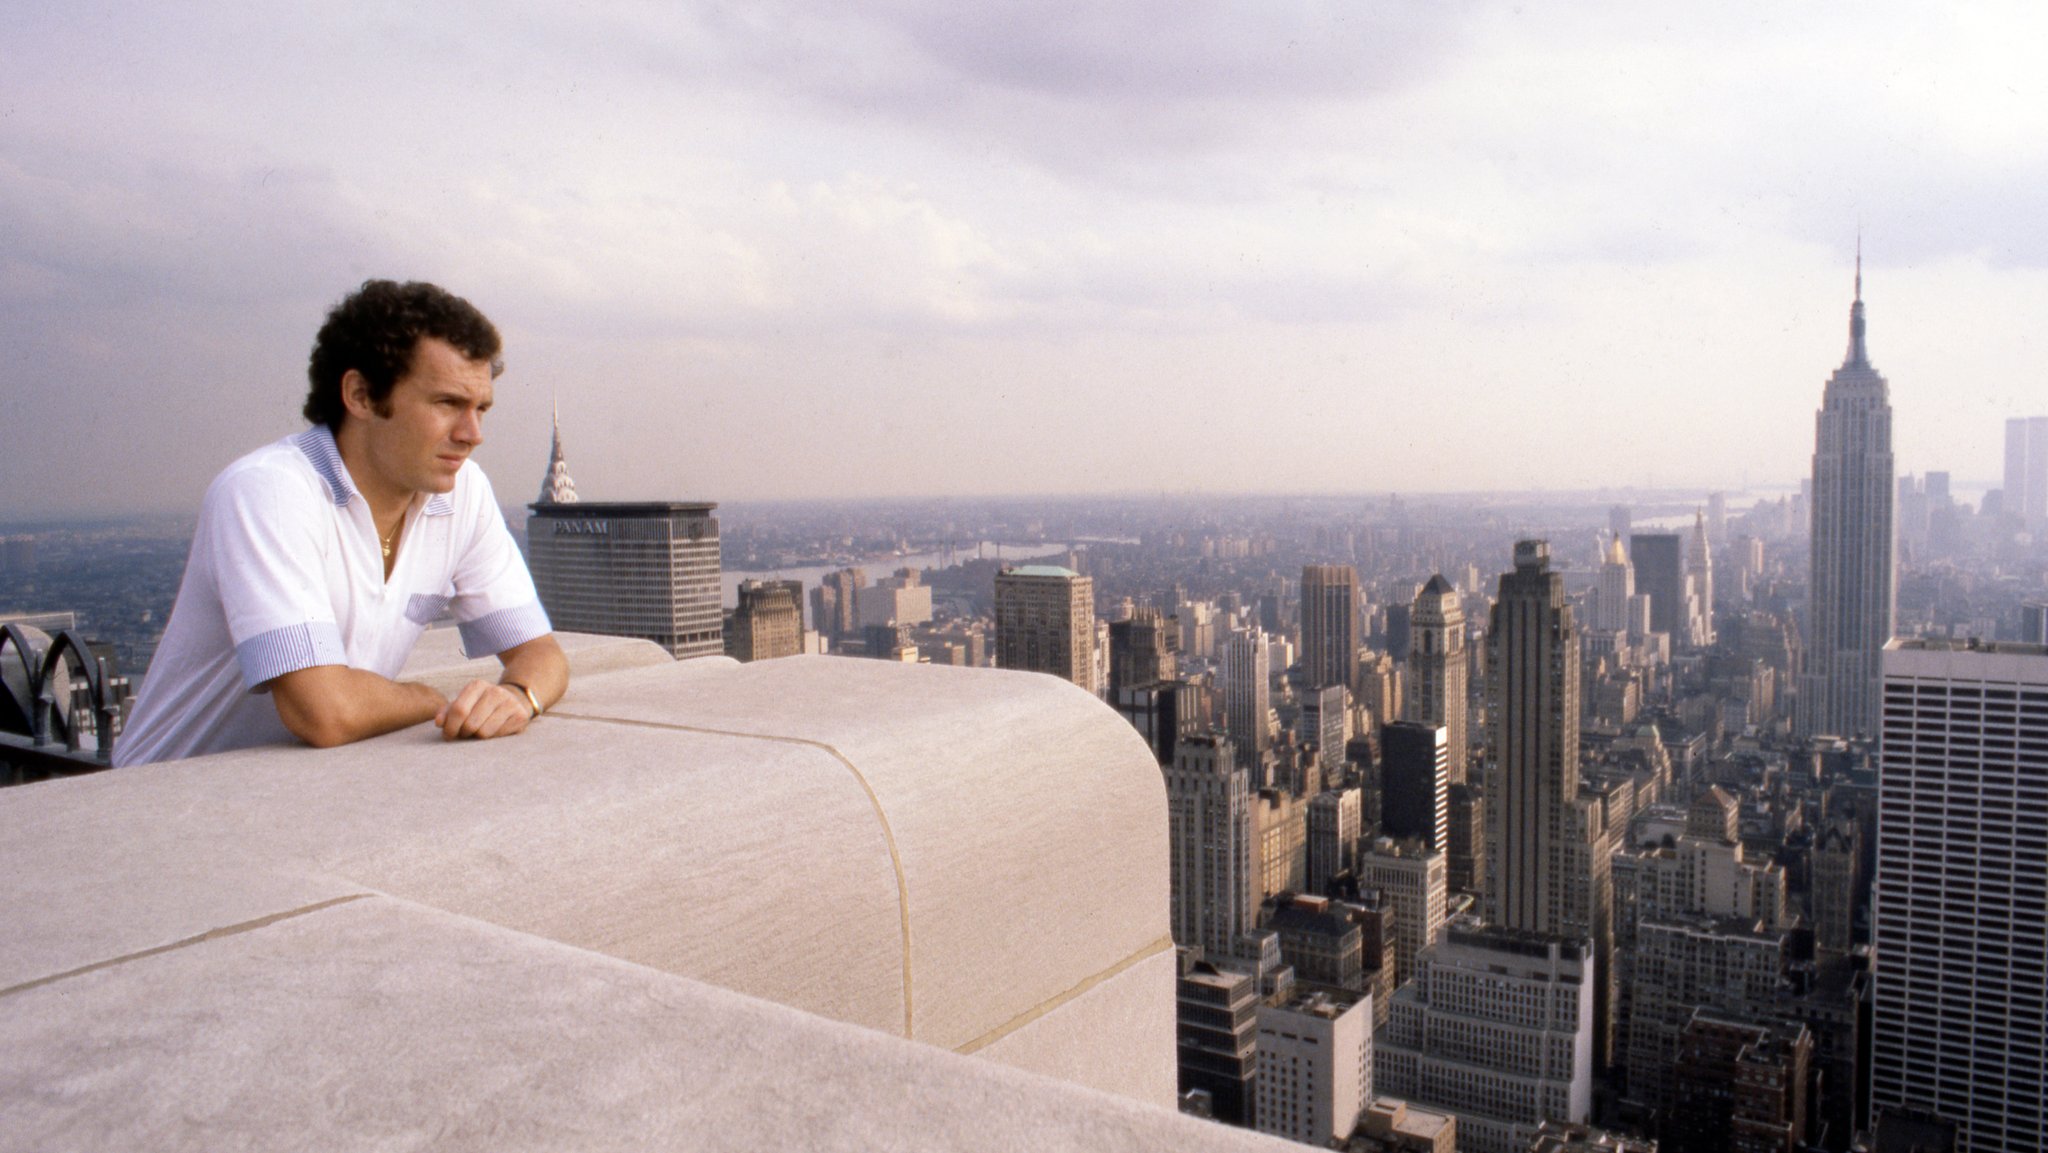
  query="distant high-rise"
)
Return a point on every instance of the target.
[
  {"x": 1699, "y": 578},
  {"x": 1850, "y": 596},
  {"x": 1415, "y": 783},
  {"x": 1045, "y": 622},
  {"x": 1617, "y": 588},
  {"x": 2034, "y": 622},
  {"x": 1437, "y": 670},
  {"x": 768, "y": 622},
  {"x": 1329, "y": 624},
  {"x": 1141, "y": 650},
  {"x": 1334, "y": 826},
  {"x": 642, "y": 569},
  {"x": 1247, "y": 697},
  {"x": 2026, "y": 472},
  {"x": 1659, "y": 560},
  {"x": 1413, "y": 877},
  {"x": 1323, "y": 715},
  {"x": 1533, "y": 690},
  {"x": 1960, "y": 1021},
  {"x": 835, "y": 610},
  {"x": 1213, "y": 842}
]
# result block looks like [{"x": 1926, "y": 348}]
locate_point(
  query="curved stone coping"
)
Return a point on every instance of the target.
[
  {"x": 378, "y": 1023},
  {"x": 1029, "y": 821},
  {"x": 438, "y": 660},
  {"x": 970, "y": 858}
]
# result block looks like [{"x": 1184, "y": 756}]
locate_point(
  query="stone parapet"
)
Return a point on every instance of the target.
[{"x": 702, "y": 904}]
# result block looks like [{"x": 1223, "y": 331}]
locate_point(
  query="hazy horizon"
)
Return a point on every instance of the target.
[{"x": 793, "y": 252}]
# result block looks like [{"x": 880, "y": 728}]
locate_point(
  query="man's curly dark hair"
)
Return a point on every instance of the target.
[{"x": 374, "y": 331}]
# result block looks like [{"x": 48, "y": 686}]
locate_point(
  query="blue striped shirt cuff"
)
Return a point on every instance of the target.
[
  {"x": 493, "y": 633},
  {"x": 267, "y": 656}
]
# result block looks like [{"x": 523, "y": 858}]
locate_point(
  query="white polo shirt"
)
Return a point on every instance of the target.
[{"x": 286, "y": 572}]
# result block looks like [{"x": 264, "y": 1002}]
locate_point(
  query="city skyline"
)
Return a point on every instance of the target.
[{"x": 968, "y": 253}]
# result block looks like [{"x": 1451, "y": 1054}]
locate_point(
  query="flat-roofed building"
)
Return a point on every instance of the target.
[
  {"x": 1315, "y": 1066},
  {"x": 1045, "y": 622},
  {"x": 645, "y": 569},
  {"x": 1960, "y": 1021}
]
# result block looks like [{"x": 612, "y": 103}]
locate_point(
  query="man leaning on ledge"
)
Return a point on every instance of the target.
[{"x": 319, "y": 559}]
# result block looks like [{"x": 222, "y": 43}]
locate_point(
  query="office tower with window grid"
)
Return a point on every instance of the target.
[{"x": 1960, "y": 1020}]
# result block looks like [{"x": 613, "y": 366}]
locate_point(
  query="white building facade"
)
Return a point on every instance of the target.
[{"x": 1960, "y": 1022}]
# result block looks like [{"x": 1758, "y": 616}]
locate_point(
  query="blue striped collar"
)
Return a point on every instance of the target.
[{"x": 318, "y": 444}]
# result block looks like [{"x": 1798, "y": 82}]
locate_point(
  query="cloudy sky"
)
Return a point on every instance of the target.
[{"x": 784, "y": 250}]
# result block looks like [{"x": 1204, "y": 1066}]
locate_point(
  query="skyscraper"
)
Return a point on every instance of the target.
[
  {"x": 1437, "y": 663},
  {"x": 1329, "y": 624},
  {"x": 1960, "y": 1021},
  {"x": 835, "y": 602},
  {"x": 647, "y": 569},
  {"x": 2026, "y": 472},
  {"x": 1533, "y": 686},
  {"x": 1617, "y": 588},
  {"x": 1658, "y": 558},
  {"x": 1415, "y": 783},
  {"x": 1247, "y": 697},
  {"x": 1850, "y": 603},
  {"x": 1699, "y": 578},
  {"x": 1141, "y": 650},
  {"x": 1214, "y": 868},
  {"x": 1045, "y": 622},
  {"x": 767, "y": 623},
  {"x": 644, "y": 569},
  {"x": 1548, "y": 861}
]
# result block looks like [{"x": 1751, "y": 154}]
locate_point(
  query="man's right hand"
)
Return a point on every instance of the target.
[
  {"x": 483, "y": 710},
  {"x": 329, "y": 705}
]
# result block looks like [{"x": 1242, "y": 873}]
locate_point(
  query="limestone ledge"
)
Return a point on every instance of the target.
[{"x": 700, "y": 905}]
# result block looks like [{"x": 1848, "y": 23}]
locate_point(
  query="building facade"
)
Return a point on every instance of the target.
[
  {"x": 645, "y": 569},
  {"x": 1851, "y": 603},
  {"x": 1496, "y": 1029},
  {"x": 1045, "y": 622},
  {"x": 1411, "y": 878},
  {"x": 1329, "y": 624},
  {"x": 1659, "y": 562},
  {"x": 1415, "y": 797},
  {"x": 1315, "y": 1066},
  {"x": 1960, "y": 1021},
  {"x": 1214, "y": 867},
  {"x": 1437, "y": 692},
  {"x": 1533, "y": 705},
  {"x": 2026, "y": 472},
  {"x": 1247, "y": 697},
  {"x": 768, "y": 621}
]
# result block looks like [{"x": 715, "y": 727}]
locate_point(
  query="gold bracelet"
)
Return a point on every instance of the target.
[{"x": 530, "y": 698}]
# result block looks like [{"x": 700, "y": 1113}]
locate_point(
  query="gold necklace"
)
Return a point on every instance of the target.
[{"x": 391, "y": 539}]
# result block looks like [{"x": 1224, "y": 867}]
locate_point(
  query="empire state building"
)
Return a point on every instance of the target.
[{"x": 1850, "y": 599}]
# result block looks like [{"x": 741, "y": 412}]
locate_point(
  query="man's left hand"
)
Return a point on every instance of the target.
[{"x": 483, "y": 710}]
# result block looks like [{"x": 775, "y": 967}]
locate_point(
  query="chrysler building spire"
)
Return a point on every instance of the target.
[{"x": 556, "y": 487}]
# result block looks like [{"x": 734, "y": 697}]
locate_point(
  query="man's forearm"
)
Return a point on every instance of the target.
[
  {"x": 540, "y": 665},
  {"x": 330, "y": 705}
]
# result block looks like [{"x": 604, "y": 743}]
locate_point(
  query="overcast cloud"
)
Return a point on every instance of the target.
[{"x": 775, "y": 250}]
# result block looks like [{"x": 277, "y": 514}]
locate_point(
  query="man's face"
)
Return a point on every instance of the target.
[{"x": 430, "y": 423}]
